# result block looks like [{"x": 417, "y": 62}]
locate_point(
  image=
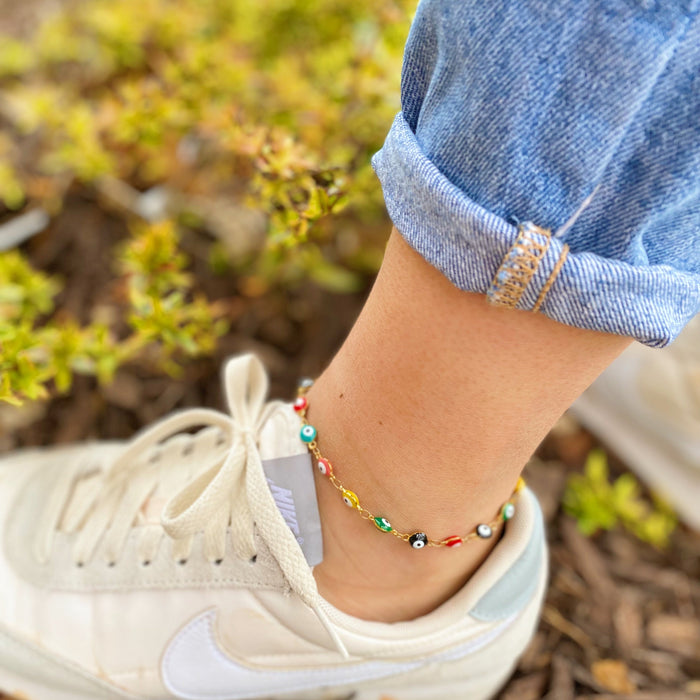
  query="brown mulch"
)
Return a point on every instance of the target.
[{"x": 621, "y": 618}]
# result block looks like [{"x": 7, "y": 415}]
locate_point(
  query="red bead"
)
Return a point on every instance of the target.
[
  {"x": 453, "y": 541},
  {"x": 300, "y": 403},
  {"x": 324, "y": 466}
]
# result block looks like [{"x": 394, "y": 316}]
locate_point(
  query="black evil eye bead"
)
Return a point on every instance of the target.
[
  {"x": 484, "y": 531},
  {"x": 418, "y": 540}
]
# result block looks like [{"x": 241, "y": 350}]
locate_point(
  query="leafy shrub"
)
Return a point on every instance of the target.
[
  {"x": 164, "y": 316},
  {"x": 274, "y": 106},
  {"x": 597, "y": 504}
]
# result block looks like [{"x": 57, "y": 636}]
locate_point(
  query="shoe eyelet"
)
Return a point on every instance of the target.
[
  {"x": 253, "y": 559},
  {"x": 79, "y": 564},
  {"x": 111, "y": 564},
  {"x": 218, "y": 562},
  {"x": 182, "y": 562},
  {"x": 146, "y": 563}
]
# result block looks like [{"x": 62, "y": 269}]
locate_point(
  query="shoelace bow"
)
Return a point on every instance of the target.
[{"x": 220, "y": 500}]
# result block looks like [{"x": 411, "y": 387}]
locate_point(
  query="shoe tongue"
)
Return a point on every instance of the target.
[{"x": 289, "y": 473}]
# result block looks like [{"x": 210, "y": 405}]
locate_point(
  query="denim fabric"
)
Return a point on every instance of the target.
[{"x": 520, "y": 111}]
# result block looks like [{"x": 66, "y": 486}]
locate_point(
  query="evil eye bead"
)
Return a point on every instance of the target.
[
  {"x": 383, "y": 524},
  {"x": 508, "y": 511},
  {"x": 306, "y": 383},
  {"x": 484, "y": 531},
  {"x": 301, "y": 403},
  {"x": 418, "y": 540},
  {"x": 308, "y": 433},
  {"x": 350, "y": 499},
  {"x": 324, "y": 466},
  {"x": 453, "y": 541}
]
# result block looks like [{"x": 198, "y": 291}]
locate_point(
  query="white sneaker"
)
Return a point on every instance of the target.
[
  {"x": 117, "y": 582},
  {"x": 646, "y": 407}
]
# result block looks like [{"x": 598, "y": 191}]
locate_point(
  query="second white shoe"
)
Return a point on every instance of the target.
[
  {"x": 646, "y": 408},
  {"x": 175, "y": 567}
]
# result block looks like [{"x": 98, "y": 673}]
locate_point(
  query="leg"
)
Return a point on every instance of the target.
[{"x": 430, "y": 411}]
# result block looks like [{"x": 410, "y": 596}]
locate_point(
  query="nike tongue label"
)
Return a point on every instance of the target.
[{"x": 291, "y": 482}]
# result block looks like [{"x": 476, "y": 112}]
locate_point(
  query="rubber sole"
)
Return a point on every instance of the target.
[{"x": 31, "y": 690}]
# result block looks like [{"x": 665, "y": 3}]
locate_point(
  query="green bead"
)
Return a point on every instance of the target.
[
  {"x": 383, "y": 524},
  {"x": 508, "y": 511}
]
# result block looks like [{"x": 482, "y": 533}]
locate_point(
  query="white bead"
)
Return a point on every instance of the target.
[{"x": 484, "y": 531}]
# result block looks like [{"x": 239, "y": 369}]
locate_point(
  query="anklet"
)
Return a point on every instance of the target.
[{"x": 417, "y": 540}]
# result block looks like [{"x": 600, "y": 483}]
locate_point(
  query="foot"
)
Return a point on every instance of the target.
[{"x": 180, "y": 566}]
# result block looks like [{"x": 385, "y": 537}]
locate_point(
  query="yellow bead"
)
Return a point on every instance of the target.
[
  {"x": 521, "y": 484},
  {"x": 350, "y": 499}
]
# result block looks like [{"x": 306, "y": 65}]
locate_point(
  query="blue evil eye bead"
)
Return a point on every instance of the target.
[
  {"x": 308, "y": 433},
  {"x": 484, "y": 531},
  {"x": 508, "y": 511},
  {"x": 306, "y": 383},
  {"x": 383, "y": 524},
  {"x": 418, "y": 540}
]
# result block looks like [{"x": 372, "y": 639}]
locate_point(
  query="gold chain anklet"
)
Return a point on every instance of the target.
[{"x": 417, "y": 540}]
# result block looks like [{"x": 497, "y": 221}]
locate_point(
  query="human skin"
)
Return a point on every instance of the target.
[{"x": 429, "y": 412}]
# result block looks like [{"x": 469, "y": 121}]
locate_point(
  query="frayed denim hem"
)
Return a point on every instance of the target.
[{"x": 468, "y": 245}]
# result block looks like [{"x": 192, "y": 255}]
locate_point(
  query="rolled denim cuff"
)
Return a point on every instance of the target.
[{"x": 470, "y": 246}]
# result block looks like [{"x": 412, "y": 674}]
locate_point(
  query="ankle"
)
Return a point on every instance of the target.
[{"x": 374, "y": 576}]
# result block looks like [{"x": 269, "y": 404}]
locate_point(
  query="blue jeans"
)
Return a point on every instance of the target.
[{"x": 548, "y": 155}]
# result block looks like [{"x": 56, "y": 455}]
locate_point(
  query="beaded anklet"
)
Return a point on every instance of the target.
[{"x": 417, "y": 540}]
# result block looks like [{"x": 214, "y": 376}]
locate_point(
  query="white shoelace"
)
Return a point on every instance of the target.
[{"x": 231, "y": 487}]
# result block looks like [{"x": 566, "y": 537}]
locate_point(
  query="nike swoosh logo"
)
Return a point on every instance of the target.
[{"x": 195, "y": 667}]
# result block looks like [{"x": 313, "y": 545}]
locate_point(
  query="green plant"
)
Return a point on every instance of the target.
[
  {"x": 274, "y": 106},
  {"x": 599, "y": 504},
  {"x": 165, "y": 319}
]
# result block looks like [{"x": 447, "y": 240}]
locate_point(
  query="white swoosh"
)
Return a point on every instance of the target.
[{"x": 195, "y": 668}]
